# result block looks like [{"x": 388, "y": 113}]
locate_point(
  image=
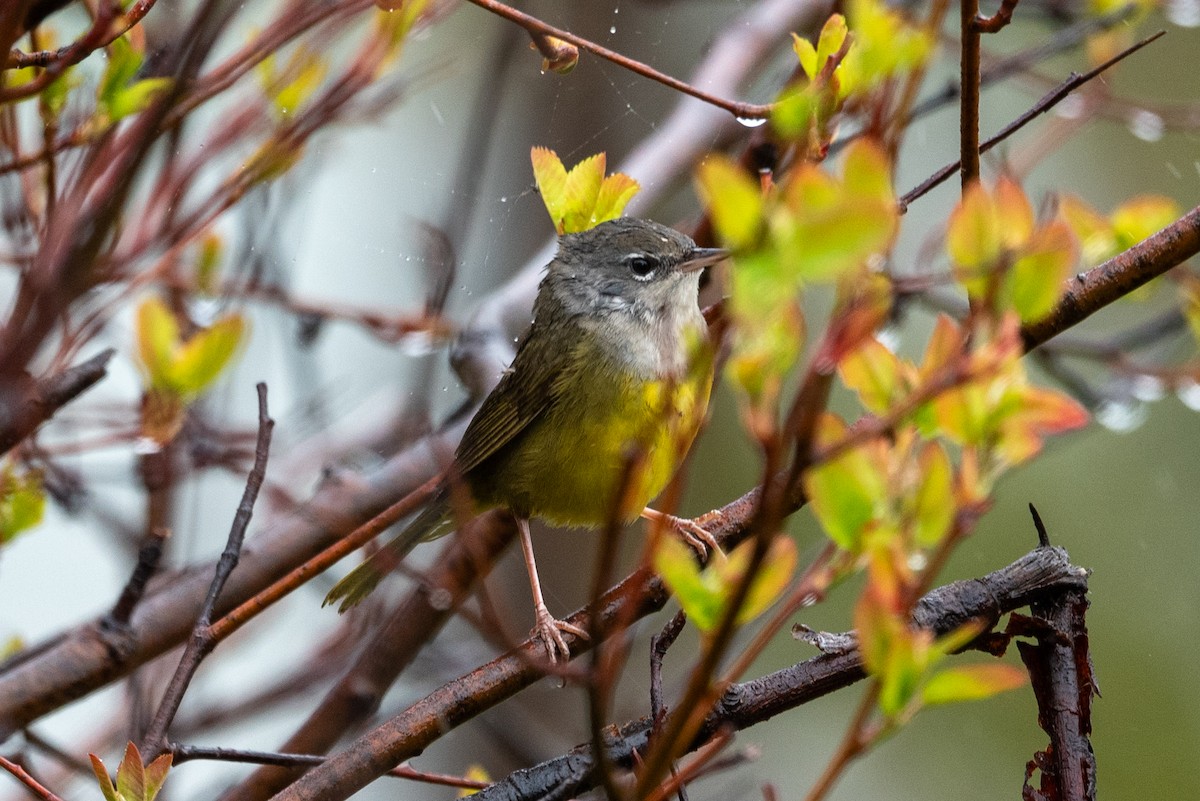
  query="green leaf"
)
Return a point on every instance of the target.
[
  {"x": 806, "y": 54},
  {"x": 700, "y": 599},
  {"x": 135, "y": 97},
  {"x": 551, "y": 178},
  {"x": 1013, "y": 213},
  {"x": 772, "y": 577},
  {"x": 844, "y": 492},
  {"x": 1141, "y": 217},
  {"x": 972, "y": 683},
  {"x": 198, "y": 362},
  {"x": 22, "y": 502},
  {"x": 734, "y": 201}
]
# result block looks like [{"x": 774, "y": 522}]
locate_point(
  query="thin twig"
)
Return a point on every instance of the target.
[
  {"x": 202, "y": 642},
  {"x": 1047, "y": 102},
  {"x": 22, "y": 775},
  {"x": 188, "y": 753},
  {"x": 537, "y": 27},
  {"x": 149, "y": 556}
]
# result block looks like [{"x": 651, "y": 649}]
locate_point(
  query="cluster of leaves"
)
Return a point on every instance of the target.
[
  {"x": 1003, "y": 259},
  {"x": 1102, "y": 237},
  {"x": 853, "y": 56},
  {"x": 582, "y": 197},
  {"x": 812, "y": 227},
  {"x": 135, "y": 782},
  {"x": 177, "y": 370}
]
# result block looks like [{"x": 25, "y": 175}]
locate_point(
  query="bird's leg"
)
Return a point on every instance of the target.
[
  {"x": 547, "y": 629},
  {"x": 688, "y": 530}
]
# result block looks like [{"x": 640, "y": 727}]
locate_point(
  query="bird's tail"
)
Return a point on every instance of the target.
[{"x": 359, "y": 582}]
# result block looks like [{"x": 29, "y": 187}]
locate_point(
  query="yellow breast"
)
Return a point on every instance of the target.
[{"x": 567, "y": 466}]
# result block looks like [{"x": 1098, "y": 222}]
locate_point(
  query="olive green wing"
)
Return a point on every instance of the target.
[{"x": 526, "y": 391}]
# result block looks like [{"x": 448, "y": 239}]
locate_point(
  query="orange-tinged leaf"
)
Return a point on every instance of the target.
[
  {"x": 103, "y": 779},
  {"x": 551, "y": 178},
  {"x": 581, "y": 191},
  {"x": 874, "y": 373},
  {"x": 972, "y": 683},
  {"x": 202, "y": 357},
  {"x": 156, "y": 774},
  {"x": 1036, "y": 279},
  {"x": 1013, "y": 212},
  {"x": 157, "y": 338},
  {"x": 733, "y": 198},
  {"x": 946, "y": 345},
  {"x": 615, "y": 193},
  {"x": 973, "y": 233},
  {"x": 1050, "y": 412}
]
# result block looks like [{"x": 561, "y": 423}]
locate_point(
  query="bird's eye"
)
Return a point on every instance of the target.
[{"x": 642, "y": 267}]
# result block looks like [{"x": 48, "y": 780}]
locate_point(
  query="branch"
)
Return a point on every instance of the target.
[
  {"x": 1091, "y": 291},
  {"x": 1061, "y": 669},
  {"x": 22, "y": 412},
  {"x": 1042, "y": 573}
]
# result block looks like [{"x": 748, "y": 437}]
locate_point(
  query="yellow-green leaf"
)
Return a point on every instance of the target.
[
  {"x": 733, "y": 198},
  {"x": 1036, "y": 279},
  {"x": 157, "y": 335},
  {"x": 131, "y": 776},
  {"x": 581, "y": 191},
  {"x": 973, "y": 233},
  {"x": 933, "y": 501},
  {"x": 702, "y": 601},
  {"x": 615, "y": 193},
  {"x": 874, "y": 373},
  {"x": 1142, "y": 216},
  {"x": 1013, "y": 212},
  {"x": 551, "y": 178},
  {"x": 972, "y": 683},
  {"x": 22, "y": 502},
  {"x": 773, "y": 575},
  {"x": 202, "y": 357}
]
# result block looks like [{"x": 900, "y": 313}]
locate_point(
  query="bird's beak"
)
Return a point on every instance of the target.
[{"x": 700, "y": 258}]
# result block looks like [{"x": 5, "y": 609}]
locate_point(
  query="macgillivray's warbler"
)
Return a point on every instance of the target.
[{"x": 615, "y": 361}]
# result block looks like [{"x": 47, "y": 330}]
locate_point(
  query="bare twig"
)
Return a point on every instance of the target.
[
  {"x": 147, "y": 563},
  {"x": 189, "y": 753},
  {"x": 202, "y": 640},
  {"x": 538, "y": 28},
  {"x": 1047, "y": 102},
  {"x": 22, "y": 775}
]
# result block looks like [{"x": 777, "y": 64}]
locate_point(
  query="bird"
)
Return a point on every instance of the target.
[{"x": 616, "y": 362}]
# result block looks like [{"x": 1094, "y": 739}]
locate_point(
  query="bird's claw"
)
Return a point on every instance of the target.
[
  {"x": 703, "y": 543},
  {"x": 550, "y": 631}
]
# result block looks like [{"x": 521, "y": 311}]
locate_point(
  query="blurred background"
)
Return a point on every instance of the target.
[{"x": 344, "y": 227}]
